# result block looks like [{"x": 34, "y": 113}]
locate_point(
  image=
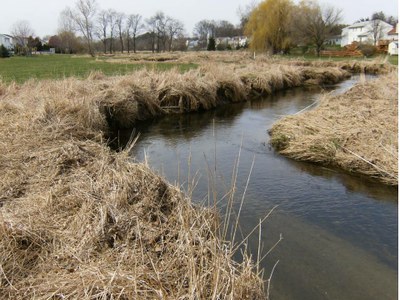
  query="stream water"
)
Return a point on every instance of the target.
[{"x": 339, "y": 230}]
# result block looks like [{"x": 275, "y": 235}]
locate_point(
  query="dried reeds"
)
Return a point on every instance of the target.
[
  {"x": 356, "y": 131},
  {"x": 78, "y": 221},
  {"x": 148, "y": 94}
]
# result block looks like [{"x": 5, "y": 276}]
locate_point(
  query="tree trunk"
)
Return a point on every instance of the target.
[
  {"x": 90, "y": 49},
  {"x": 153, "y": 41},
  {"x": 319, "y": 48},
  {"x": 122, "y": 42}
]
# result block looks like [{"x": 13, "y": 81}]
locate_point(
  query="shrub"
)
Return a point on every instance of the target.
[
  {"x": 367, "y": 50},
  {"x": 221, "y": 47},
  {"x": 4, "y": 51}
]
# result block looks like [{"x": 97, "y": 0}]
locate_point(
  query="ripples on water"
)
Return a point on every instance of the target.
[{"x": 340, "y": 231}]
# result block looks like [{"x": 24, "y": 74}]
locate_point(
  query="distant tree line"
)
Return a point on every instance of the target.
[
  {"x": 275, "y": 26},
  {"x": 380, "y": 16},
  {"x": 109, "y": 31}
]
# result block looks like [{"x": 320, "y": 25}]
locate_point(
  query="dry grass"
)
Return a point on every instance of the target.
[
  {"x": 356, "y": 131},
  {"x": 147, "y": 94},
  {"x": 79, "y": 221},
  {"x": 245, "y": 59}
]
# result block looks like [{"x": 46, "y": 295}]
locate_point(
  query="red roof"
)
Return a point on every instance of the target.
[{"x": 393, "y": 31}]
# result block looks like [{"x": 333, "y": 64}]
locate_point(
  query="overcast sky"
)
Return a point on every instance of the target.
[{"x": 43, "y": 15}]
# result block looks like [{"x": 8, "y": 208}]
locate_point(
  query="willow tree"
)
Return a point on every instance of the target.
[{"x": 269, "y": 26}]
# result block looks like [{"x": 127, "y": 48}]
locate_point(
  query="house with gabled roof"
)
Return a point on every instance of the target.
[
  {"x": 363, "y": 32},
  {"x": 7, "y": 41}
]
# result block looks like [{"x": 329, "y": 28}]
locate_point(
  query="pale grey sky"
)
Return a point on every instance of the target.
[{"x": 43, "y": 15}]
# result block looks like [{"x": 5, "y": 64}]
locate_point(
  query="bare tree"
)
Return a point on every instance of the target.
[
  {"x": 174, "y": 28},
  {"x": 21, "y": 30},
  {"x": 134, "y": 25},
  {"x": 244, "y": 13},
  {"x": 119, "y": 21},
  {"x": 65, "y": 23},
  {"x": 102, "y": 26},
  {"x": 112, "y": 21},
  {"x": 83, "y": 20},
  {"x": 225, "y": 28},
  {"x": 376, "y": 30},
  {"x": 69, "y": 42},
  {"x": 204, "y": 29},
  {"x": 152, "y": 28},
  {"x": 314, "y": 23},
  {"x": 161, "y": 26},
  {"x": 157, "y": 27}
]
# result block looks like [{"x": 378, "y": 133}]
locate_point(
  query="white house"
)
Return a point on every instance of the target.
[
  {"x": 363, "y": 32},
  {"x": 192, "y": 44},
  {"x": 236, "y": 41},
  {"x": 334, "y": 40},
  {"x": 393, "y": 48},
  {"x": 7, "y": 41}
]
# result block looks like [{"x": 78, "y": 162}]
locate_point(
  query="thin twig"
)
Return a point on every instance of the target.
[
  {"x": 242, "y": 201},
  {"x": 254, "y": 229},
  {"x": 270, "y": 277},
  {"x": 370, "y": 163}
]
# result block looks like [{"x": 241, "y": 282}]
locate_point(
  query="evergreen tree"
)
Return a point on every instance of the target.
[
  {"x": 211, "y": 44},
  {"x": 4, "y": 51}
]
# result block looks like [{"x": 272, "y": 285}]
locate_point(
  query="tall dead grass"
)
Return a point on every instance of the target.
[
  {"x": 147, "y": 94},
  {"x": 356, "y": 131},
  {"x": 78, "y": 221}
]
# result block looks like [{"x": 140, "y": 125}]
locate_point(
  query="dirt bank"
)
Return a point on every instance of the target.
[{"x": 356, "y": 131}]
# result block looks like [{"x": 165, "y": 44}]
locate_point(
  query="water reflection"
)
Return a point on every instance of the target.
[
  {"x": 353, "y": 182},
  {"x": 340, "y": 231}
]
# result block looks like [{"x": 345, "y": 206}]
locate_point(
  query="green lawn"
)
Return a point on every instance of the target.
[
  {"x": 20, "y": 69},
  {"x": 394, "y": 59}
]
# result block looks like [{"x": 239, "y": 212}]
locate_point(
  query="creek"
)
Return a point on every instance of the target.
[{"x": 339, "y": 230}]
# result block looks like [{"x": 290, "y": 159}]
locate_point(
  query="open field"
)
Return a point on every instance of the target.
[
  {"x": 356, "y": 131},
  {"x": 20, "y": 69},
  {"x": 117, "y": 229},
  {"x": 394, "y": 60}
]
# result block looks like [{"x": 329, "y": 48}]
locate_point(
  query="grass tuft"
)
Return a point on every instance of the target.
[{"x": 356, "y": 131}]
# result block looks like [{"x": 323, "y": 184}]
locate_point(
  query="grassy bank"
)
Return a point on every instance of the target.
[
  {"x": 21, "y": 69},
  {"x": 356, "y": 131},
  {"x": 80, "y": 221}
]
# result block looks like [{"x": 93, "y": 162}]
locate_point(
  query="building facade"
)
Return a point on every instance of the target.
[
  {"x": 366, "y": 32},
  {"x": 7, "y": 41}
]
